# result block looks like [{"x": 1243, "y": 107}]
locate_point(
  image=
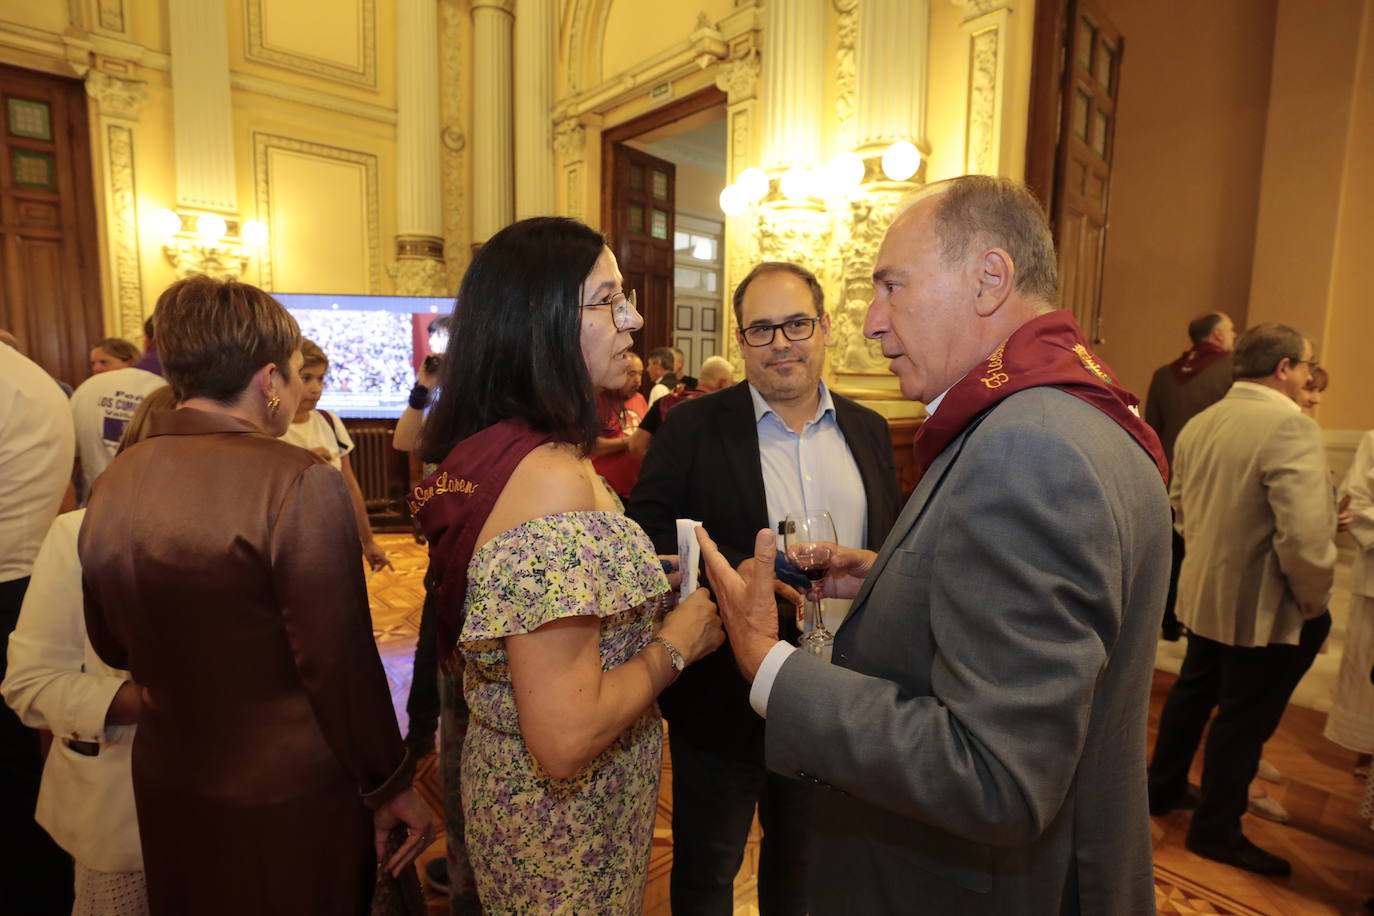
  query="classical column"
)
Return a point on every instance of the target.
[
  {"x": 117, "y": 103},
  {"x": 793, "y": 91},
  {"x": 493, "y": 198},
  {"x": 419, "y": 267},
  {"x": 890, "y": 59},
  {"x": 534, "y": 61},
  {"x": 202, "y": 115}
]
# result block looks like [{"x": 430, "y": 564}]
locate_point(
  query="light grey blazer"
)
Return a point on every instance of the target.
[
  {"x": 1253, "y": 501},
  {"x": 980, "y": 739}
]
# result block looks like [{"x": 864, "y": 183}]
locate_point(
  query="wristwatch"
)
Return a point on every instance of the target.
[{"x": 673, "y": 654}]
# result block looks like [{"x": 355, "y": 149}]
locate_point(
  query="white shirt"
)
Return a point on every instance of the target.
[
  {"x": 56, "y": 681},
  {"x": 36, "y": 449},
  {"x": 101, "y": 407},
  {"x": 321, "y": 430}
]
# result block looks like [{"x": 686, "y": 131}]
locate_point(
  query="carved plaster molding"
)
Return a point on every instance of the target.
[
  {"x": 985, "y": 85},
  {"x": 364, "y": 75},
  {"x": 452, "y": 159},
  {"x": 869, "y": 216},
  {"x": 570, "y": 140},
  {"x": 118, "y": 98},
  {"x": 110, "y": 16},
  {"x": 263, "y": 143},
  {"x": 975, "y": 8},
  {"x": 739, "y": 78},
  {"x": 123, "y": 228},
  {"x": 846, "y": 69},
  {"x": 419, "y": 269}
]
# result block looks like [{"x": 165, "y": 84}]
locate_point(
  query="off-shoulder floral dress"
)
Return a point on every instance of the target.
[{"x": 539, "y": 844}]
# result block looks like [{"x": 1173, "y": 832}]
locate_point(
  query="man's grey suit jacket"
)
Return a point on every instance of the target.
[{"x": 982, "y": 730}]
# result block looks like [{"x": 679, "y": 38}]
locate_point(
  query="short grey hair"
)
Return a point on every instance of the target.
[
  {"x": 715, "y": 367},
  {"x": 1260, "y": 350},
  {"x": 1001, "y": 213}
]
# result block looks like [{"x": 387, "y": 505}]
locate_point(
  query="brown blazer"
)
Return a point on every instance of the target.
[
  {"x": 221, "y": 570},
  {"x": 1171, "y": 403}
]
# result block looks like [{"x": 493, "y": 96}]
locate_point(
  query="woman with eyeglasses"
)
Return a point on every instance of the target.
[{"x": 551, "y": 601}]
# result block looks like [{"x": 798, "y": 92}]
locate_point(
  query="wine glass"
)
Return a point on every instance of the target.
[{"x": 808, "y": 539}]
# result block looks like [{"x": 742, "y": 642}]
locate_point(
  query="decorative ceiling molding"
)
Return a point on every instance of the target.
[{"x": 365, "y": 74}]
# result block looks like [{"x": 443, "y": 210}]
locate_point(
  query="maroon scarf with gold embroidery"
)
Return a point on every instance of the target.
[
  {"x": 1190, "y": 364},
  {"x": 453, "y": 503},
  {"x": 1048, "y": 350}
]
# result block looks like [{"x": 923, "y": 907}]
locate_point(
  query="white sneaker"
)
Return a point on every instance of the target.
[
  {"x": 1269, "y": 809},
  {"x": 1268, "y": 772}
]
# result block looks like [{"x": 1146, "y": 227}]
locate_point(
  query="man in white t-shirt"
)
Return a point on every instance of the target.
[
  {"x": 103, "y": 405},
  {"x": 35, "y": 457}
]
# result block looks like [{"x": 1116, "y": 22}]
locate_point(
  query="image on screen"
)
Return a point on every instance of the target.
[{"x": 374, "y": 345}]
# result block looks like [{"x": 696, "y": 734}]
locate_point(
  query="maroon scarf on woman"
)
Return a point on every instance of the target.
[
  {"x": 453, "y": 503},
  {"x": 1049, "y": 350},
  {"x": 1191, "y": 363}
]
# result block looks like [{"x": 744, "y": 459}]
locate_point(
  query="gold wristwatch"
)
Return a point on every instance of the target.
[{"x": 673, "y": 654}]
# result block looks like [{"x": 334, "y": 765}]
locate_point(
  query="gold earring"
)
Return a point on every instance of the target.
[{"x": 274, "y": 404}]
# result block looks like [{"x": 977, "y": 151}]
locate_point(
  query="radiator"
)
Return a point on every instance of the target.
[{"x": 375, "y": 466}]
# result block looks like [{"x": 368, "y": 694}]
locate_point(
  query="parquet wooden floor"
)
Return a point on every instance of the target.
[{"x": 1331, "y": 849}]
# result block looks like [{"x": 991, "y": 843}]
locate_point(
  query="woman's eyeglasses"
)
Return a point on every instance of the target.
[{"x": 621, "y": 304}]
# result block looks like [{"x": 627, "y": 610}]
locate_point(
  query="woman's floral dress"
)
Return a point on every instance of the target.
[{"x": 538, "y": 844}]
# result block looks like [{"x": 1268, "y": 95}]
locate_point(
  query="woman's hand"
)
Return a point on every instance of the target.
[
  {"x": 376, "y": 556},
  {"x": 405, "y": 808},
  {"x": 693, "y": 627}
]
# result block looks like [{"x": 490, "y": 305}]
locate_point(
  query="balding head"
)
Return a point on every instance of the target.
[
  {"x": 968, "y": 262},
  {"x": 716, "y": 373}
]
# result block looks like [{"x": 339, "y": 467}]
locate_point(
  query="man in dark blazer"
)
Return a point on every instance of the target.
[
  {"x": 739, "y": 460},
  {"x": 977, "y": 745},
  {"x": 1180, "y": 391}
]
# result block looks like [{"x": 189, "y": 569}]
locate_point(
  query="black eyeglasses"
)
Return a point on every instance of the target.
[
  {"x": 621, "y": 304},
  {"x": 761, "y": 335}
]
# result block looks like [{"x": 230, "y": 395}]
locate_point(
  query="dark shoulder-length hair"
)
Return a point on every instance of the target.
[{"x": 514, "y": 347}]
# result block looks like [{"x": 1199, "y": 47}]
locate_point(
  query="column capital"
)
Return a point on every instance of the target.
[
  {"x": 496, "y": 6},
  {"x": 118, "y": 98},
  {"x": 739, "y": 78},
  {"x": 570, "y": 139}
]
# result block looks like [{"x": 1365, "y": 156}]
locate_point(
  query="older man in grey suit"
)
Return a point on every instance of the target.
[
  {"x": 1252, "y": 497},
  {"x": 980, "y": 737}
]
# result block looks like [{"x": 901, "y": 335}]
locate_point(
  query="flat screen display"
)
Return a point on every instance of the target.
[{"x": 374, "y": 345}]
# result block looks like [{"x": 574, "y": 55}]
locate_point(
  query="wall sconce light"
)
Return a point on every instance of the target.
[
  {"x": 832, "y": 183},
  {"x": 901, "y": 160},
  {"x": 200, "y": 242}
]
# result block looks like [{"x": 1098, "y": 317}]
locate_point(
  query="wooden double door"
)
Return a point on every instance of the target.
[{"x": 49, "y": 259}]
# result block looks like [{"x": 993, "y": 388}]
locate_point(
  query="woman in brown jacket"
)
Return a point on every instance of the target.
[{"x": 220, "y": 569}]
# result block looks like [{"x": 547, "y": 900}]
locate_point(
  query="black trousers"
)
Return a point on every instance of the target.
[
  {"x": 714, "y": 794},
  {"x": 422, "y": 704},
  {"x": 1250, "y": 688},
  {"x": 35, "y": 874},
  {"x": 1170, "y": 618}
]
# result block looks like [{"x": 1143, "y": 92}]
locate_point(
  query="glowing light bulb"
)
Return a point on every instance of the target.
[
  {"x": 901, "y": 160},
  {"x": 254, "y": 233},
  {"x": 211, "y": 227},
  {"x": 846, "y": 172},
  {"x": 733, "y": 201},
  {"x": 165, "y": 223},
  {"x": 754, "y": 183},
  {"x": 797, "y": 184}
]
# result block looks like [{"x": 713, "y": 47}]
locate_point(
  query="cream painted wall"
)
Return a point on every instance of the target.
[
  {"x": 698, "y": 190},
  {"x": 1186, "y": 173},
  {"x": 1350, "y": 321},
  {"x": 636, "y": 31}
]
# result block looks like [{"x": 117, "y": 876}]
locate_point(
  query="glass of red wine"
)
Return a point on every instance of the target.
[{"x": 808, "y": 540}]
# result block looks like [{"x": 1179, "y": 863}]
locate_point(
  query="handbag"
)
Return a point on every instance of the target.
[{"x": 397, "y": 896}]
